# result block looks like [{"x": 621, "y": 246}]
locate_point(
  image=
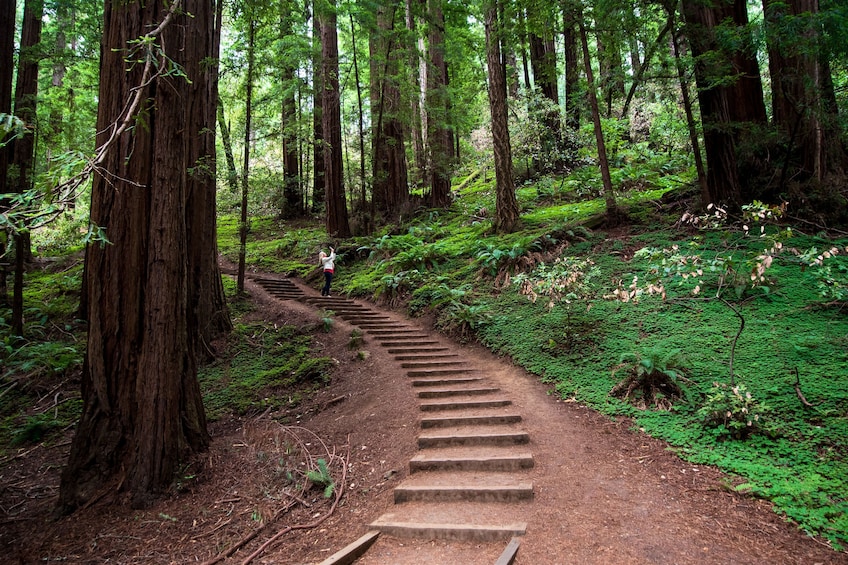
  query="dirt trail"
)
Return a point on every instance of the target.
[{"x": 603, "y": 493}]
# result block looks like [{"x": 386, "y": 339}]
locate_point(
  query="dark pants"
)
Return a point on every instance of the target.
[{"x": 328, "y": 278}]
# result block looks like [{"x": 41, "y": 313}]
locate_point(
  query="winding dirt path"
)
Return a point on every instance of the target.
[{"x": 601, "y": 492}]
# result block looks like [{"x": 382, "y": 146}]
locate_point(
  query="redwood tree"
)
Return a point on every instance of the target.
[
  {"x": 7, "y": 52},
  {"x": 803, "y": 101},
  {"x": 336, "y": 213},
  {"x": 390, "y": 189},
  {"x": 142, "y": 408},
  {"x": 506, "y": 204},
  {"x": 439, "y": 138},
  {"x": 23, "y": 153}
]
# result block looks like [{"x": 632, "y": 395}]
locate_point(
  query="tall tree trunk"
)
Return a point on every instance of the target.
[
  {"x": 506, "y": 204},
  {"x": 26, "y": 93},
  {"x": 572, "y": 72},
  {"x": 336, "y": 218},
  {"x": 389, "y": 180},
  {"x": 142, "y": 408},
  {"x": 318, "y": 196},
  {"x": 245, "y": 170},
  {"x": 419, "y": 158},
  {"x": 208, "y": 311},
  {"x": 439, "y": 140},
  {"x": 227, "y": 146},
  {"x": 292, "y": 185},
  {"x": 543, "y": 61},
  {"x": 715, "y": 101},
  {"x": 690, "y": 115},
  {"x": 522, "y": 30},
  {"x": 363, "y": 201},
  {"x": 613, "y": 213},
  {"x": 7, "y": 53}
]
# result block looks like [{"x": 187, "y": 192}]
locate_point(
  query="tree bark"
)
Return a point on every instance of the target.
[
  {"x": 716, "y": 100},
  {"x": 803, "y": 105},
  {"x": 336, "y": 218},
  {"x": 506, "y": 204},
  {"x": 142, "y": 408},
  {"x": 690, "y": 115},
  {"x": 572, "y": 72},
  {"x": 414, "y": 73},
  {"x": 292, "y": 185},
  {"x": 440, "y": 145},
  {"x": 208, "y": 310},
  {"x": 613, "y": 213},
  {"x": 390, "y": 188},
  {"x": 7, "y": 53},
  {"x": 23, "y": 156},
  {"x": 318, "y": 196},
  {"x": 245, "y": 170}
]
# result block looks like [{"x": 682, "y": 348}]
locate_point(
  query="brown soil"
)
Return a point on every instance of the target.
[{"x": 604, "y": 493}]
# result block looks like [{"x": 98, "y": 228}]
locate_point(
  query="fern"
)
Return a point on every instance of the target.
[{"x": 321, "y": 476}]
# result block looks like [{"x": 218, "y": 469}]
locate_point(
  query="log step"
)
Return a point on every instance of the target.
[{"x": 389, "y": 525}]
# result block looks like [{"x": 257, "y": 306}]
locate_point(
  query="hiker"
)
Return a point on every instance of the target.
[{"x": 327, "y": 263}]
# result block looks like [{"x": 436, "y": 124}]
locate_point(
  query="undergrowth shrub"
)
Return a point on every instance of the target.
[{"x": 733, "y": 411}]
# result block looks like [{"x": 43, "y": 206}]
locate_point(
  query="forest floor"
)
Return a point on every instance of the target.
[{"x": 604, "y": 492}]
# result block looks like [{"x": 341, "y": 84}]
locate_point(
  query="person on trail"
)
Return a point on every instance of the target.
[{"x": 327, "y": 262}]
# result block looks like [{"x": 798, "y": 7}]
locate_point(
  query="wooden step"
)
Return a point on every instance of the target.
[
  {"x": 443, "y": 381},
  {"x": 467, "y": 492},
  {"x": 465, "y": 459},
  {"x": 463, "y": 404},
  {"x": 475, "y": 420},
  {"x": 426, "y": 357},
  {"x": 417, "y": 349},
  {"x": 465, "y": 437},
  {"x": 433, "y": 364},
  {"x": 458, "y": 391},
  {"x": 440, "y": 372},
  {"x": 389, "y": 524}
]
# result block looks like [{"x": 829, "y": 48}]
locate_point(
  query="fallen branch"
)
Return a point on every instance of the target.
[
  {"x": 313, "y": 524},
  {"x": 800, "y": 394}
]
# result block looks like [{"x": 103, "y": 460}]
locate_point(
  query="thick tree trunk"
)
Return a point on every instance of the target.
[
  {"x": 336, "y": 218},
  {"x": 715, "y": 102},
  {"x": 208, "y": 311},
  {"x": 7, "y": 53},
  {"x": 440, "y": 144},
  {"x": 507, "y": 214},
  {"x": 804, "y": 108},
  {"x": 390, "y": 189},
  {"x": 142, "y": 409}
]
